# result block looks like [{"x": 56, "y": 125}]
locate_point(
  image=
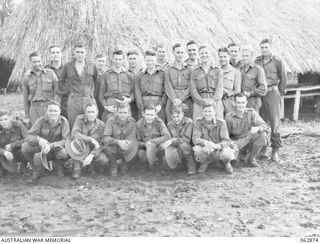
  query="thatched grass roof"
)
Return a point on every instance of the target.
[{"x": 293, "y": 25}]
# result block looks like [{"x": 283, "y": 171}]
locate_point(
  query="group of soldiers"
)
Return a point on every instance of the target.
[{"x": 85, "y": 115}]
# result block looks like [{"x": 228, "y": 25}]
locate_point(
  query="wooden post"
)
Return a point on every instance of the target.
[
  {"x": 282, "y": 108},
  {"x": 296, "y": 105}
]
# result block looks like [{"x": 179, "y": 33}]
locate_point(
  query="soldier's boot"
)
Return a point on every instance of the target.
[
  {"x": 76, "y": 173},
  {"x": 91, "y": 170},
  {"x": 124, "y": 167},
  {"x": 263, "y": 153},
  {"x": 252, "y": 158},
  {"x": 23, "y": 168},
  {"x": 113, "y": 169},
  {"x": 191, "y": 165},
  {"x": 275, "y": 155},
  {"x": 35, "y": 176},
  {"x": 228, "y": 168},
  {"x": 252, "y": 162},
  {"x": 203, "y": 167}
]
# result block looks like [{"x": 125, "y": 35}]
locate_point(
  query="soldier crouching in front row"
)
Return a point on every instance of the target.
[
  {"x": 211, "y": 140},
  {"x": 151, "y": 133},
  {"x": 45, "y": 142},
  {"x": 179, "y": 146},
  {"x": 247, "y": 128},
  {"x": 12, "y": 135},
  {"x": 85, "y": 148},
  {"x": 119, "y": 139}
]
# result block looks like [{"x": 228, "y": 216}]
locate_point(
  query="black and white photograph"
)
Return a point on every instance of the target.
[{"x": 149, "y": 118}]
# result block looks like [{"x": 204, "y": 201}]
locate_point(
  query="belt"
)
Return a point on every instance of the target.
[
  {"x": 273, "y": 88},
  {"x": 152, "y": 98},
  {"x": 40, "y": 103},
  {"x": 78, "y": 95}
]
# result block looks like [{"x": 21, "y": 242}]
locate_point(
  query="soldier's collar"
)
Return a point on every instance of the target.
[
  {"x": 59, "y": 120},
  {"x": 229, "y": 69},
  {"x": 234, "y": 113},
  {"x": 122, "y": 70},
  {"x": 145, "y": 71},
  {"x": 86, "y": 120},
  {"x": 184, "y": 65},
  {"x": 10, "y": 130},
  {"x": 214, "y": 121}
]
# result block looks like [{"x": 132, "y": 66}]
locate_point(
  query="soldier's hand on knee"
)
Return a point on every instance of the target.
[
  {"x": 166, "y": 144},
  {"x": 43, "y": 142},
  {"x": 8, "y": 148},
  {"x": 8, "y": 155},
  {"x": 46, "y": 149},
  {"x": 158, "y": 108},
  {"x": 88, "y": 160},
  {"x": 26, "y": 121},
  {"x": 177, "y": 102},
  {"x": 123, "y": 145},
  {"x": 255, "y": 130}
]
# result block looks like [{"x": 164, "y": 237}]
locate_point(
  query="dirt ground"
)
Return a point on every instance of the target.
[{"x": 271, "y": 200}]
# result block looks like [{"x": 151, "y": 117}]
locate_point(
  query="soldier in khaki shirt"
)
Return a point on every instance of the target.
[
  {"x": 180, "y": 128},
  {"x": 247, "y": 129},
  {"x": 206, "y": 81},
  {"x": 177, "y": 83},
  {"x": 117, "y": 84},
  {"x": 151, "y": 133},
  {"x": 39, "y": 88},
  {"x": 276, "y": 77},
  {"x": 161, "y": 62},
  {"x": 119, "y": 139},
  {"x": 231, "y": 80},
  {"x": 192, "y": 51},
  {"x": 101, "y": 64},
  {"x": 211, "y": 140},
  {"x": 253, "y": 84}
]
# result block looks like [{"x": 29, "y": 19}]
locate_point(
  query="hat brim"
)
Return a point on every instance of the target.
[
  {"x": 173, "y": 157},
  {"x": 73, "y": 155},
  {"x": 40, "y": 157},
  {"x": 11, "y": 166},
  {"x": 129, "y": 154}
]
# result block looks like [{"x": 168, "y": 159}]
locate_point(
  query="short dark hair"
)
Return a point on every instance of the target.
[
  {"x": 176, "y": 109},
  {"x": 149, "y": 53},
  {"x": 175, "y": 46},
  {"x": 118, "y": 52},
  {"x": 202, "y": 47},
  {"x": 100, "y": 55},
  {"x": 160, "y": 45},
  {"x": 233, "y": 44},
  {"x": 191, "y": 42},
  {"x": 208, "y": 103},
  {"x": 132, "y": 52},
  {"x": 79, "y": 45},
  {"x": 149, "y": 107},
  {"x": 90, "y": 104},
  {"x": 34, "y": 54},
  {"x": 240, "y": 94},
  {"x": 265, "y": 41},
  {"x": 4, "y": 112},
  {"x": 53, "y": 46},
  {"x": 223, "y": 50},
  {"x": 53, "y": 102}
]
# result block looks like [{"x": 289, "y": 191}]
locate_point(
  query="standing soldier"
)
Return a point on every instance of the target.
[
  {"x": 151, "y": 133},
  {"x": 177, "y": 83},
  {"x": 231, "y": 80},
  {"x": 12, "y": 135},
  {"x": 119, "y": 139},
  {"x": 88, "y": 131},
  {"x": 247, "y": 129},
  {"x": 234, "y": 51},
  {"x": 211, "y": 140},
  {"x": 133, "y": 69},
  {"x": 56, "y": 66},
  {"x": 117, "y": 84},
  {"x": 101, "y": 64},
  {"x": 77, "y": 80},
  {"x": 161, "y": 61},
  {"x": 180, "y": 129},
  {"x": 206, "y": 81},
  {"x": 253, "y": 84},
  {"x": 39, "y": 88},
  {"x": 150, "y": 88},
  {"x": 276, "y": 76},
  {"x": 45, "y": 142},
  {"x": 193, "y": 60}
]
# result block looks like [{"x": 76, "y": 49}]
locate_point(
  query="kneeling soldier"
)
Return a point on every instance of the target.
[
  {"x": 86, "y": 136},
  {"x": 151, "y": 133},
  {"x": 247, "y": 128},
  {"x": 45, "y": 142},
  {"x": 12, "y": 135},
  {"x": 180, "y": 128},
  {"x": 119, "y": 139},
  {"x": 211, "y": 140}
]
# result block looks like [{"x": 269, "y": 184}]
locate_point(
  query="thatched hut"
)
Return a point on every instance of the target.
[{"x": 293, "y": 26}]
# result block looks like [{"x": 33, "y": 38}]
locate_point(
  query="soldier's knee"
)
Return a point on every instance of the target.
[
  {"x": 62, "y": 154},
  {"x": 25, "y": 148},
  {"x": 185, "y": 148},
  {"x": 102, "y": 159},
  {"x": 199, "y": 154},
  {"x": 228, "y": 154}
]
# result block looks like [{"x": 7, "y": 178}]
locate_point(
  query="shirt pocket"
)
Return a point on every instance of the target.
[
  {"x": 200, "y": 82},
  {"x": 112, "y": 85},
  {"x": 126, "y": 85},
  {"x": 157, "y": 85},
  {"x": 45, "y": 132},
  {"x": 228, "y": 81},
  {"x": 155, "y": 133},
  {"x": 174, "y": 78},
  {"x": 47, "y": 85},
  {"x": 271, "y": 71},
  {"x": 212, "y": 80},
  {"x": 32, "y": 86}
]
